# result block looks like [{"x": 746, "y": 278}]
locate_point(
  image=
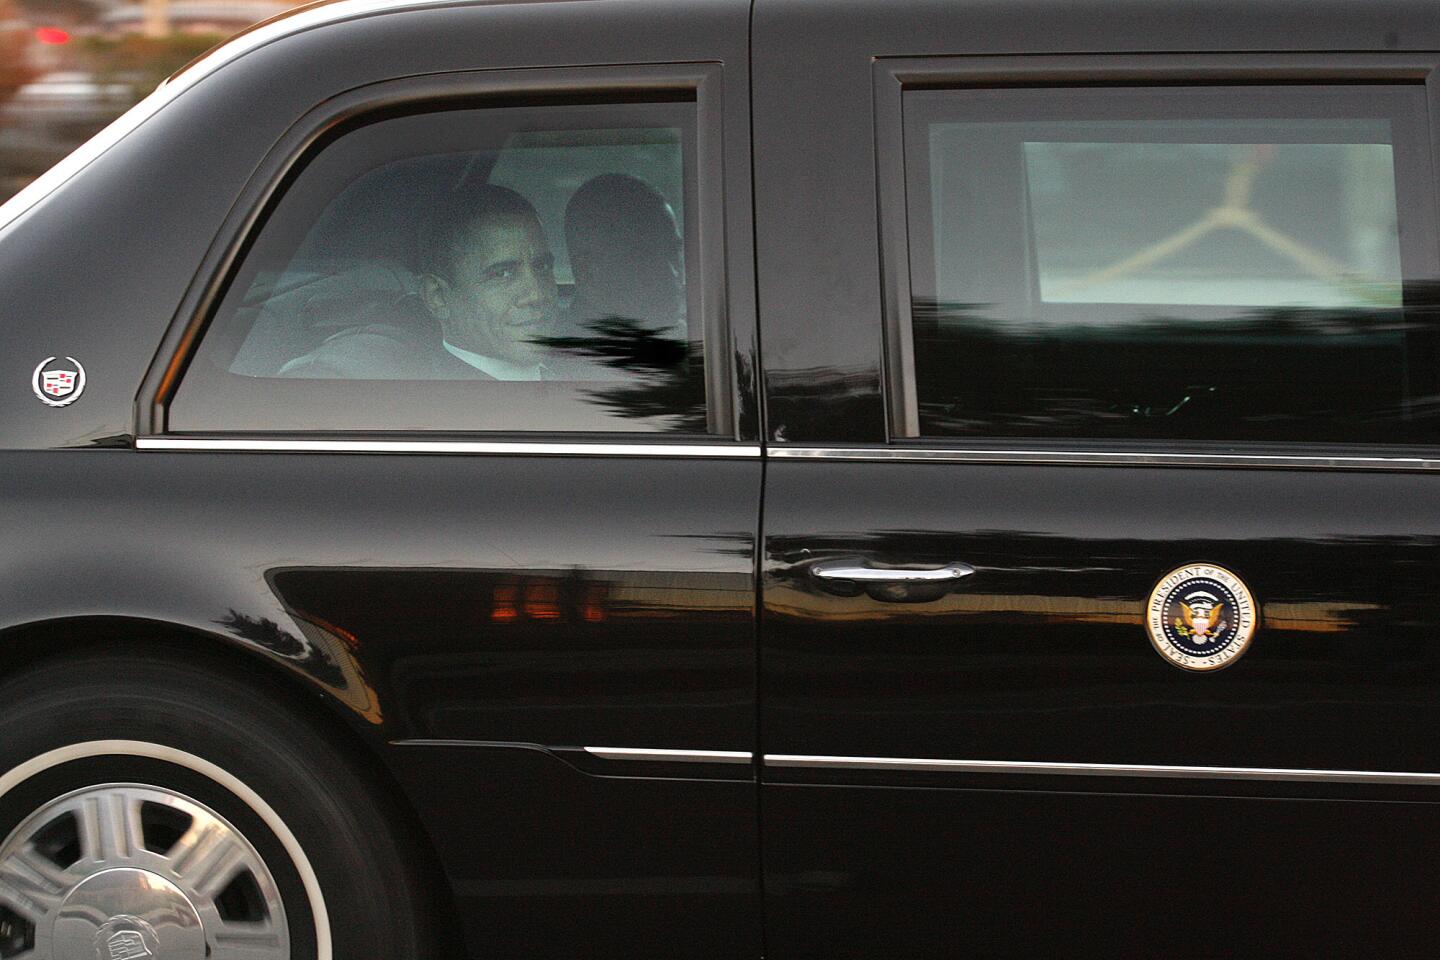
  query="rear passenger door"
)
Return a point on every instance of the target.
[
  {"x": 526, "y": 566},
  {"x": 1101, "y": 521}
]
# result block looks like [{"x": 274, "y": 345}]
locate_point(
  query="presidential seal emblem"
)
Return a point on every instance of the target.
[
  {"x": 58, "y": 387},
  {"x": 1200, "y": 617}
]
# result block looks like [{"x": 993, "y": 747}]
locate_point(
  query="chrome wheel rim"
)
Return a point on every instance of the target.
[{"x": 127, "y": 872}]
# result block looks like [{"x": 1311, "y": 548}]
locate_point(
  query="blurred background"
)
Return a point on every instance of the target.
[{"x": 69, "y": 67}]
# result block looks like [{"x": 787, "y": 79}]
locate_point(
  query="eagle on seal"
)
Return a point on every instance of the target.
[{"x": 1206, "y": 624}]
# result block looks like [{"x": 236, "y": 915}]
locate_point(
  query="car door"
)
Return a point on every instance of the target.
[
  {"x": 1100, "y": 516},
  {"x": 531, "y": 577}
]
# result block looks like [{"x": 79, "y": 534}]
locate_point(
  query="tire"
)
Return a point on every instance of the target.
[{"x": 154, "y": 805}]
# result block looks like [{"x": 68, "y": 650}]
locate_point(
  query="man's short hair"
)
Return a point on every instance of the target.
[
  {"x": 616, "y": 208},
  {"x": 445, "y": 235}
]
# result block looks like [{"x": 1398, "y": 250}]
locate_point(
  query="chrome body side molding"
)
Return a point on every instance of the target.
[
  {"x": 283, "y": 445},
  {"x": 743, "y": 451},
  {"x": 670, "y": 756},
  {"x": 1107, "y": 458},
  {"x": 1098, "y": 769}
]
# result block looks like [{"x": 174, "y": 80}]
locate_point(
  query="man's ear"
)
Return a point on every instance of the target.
[{"x": 435, "y": 294}]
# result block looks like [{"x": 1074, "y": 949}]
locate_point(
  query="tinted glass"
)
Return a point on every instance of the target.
[
  {"x": 500, "y": 269},
  {"x": 1251, "y": 264}
]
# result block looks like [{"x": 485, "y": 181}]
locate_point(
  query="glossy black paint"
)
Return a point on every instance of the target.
[
  {"x": 646, "y": 637},
  {"x": 617, "y": 866},
  {"x": 1042, "y": 655},
  {"x": 1027, "y": 873},
  {"x": 474, "y": 621},
  {"x": 565, "y": 601}
]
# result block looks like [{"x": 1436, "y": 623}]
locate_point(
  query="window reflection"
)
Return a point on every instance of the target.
[
  {"x": 531, "y": 260},
  {"x": 1245, "y": 224},
  {"x": 1291, "y": 374},
  {"x": 1173, "y": 264}
]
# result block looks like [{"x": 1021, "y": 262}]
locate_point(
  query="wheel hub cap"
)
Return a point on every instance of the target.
[
  {"x": 128, "y": 872},
  {"x": 127, "y": 914}
]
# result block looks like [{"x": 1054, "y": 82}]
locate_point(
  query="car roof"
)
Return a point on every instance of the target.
[{"x": 1096, "y": 25}]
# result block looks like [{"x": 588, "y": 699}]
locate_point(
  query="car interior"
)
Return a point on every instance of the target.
[{"x": 356, "y": 264}]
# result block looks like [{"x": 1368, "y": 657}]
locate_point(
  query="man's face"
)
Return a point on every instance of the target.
[{"x": 502, "y": 294}]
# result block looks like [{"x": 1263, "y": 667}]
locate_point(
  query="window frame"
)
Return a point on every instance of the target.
[
  {"x": 893, "y": 78},
  {"x": 697, "y": 84}
]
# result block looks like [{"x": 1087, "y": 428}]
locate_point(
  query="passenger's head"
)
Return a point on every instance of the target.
[
  {"x": 488, "y": 275},
  {"x": 624, "y": 250}
]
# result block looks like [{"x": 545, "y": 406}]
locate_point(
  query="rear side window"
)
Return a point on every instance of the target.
[
  {"x": 1206, "y": 264},
  {"x": 502, "y": 269}
]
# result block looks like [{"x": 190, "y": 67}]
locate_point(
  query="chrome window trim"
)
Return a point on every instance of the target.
[
  {"x": 670, "y": 756},
  {"x": 267, "y": 32},
  {"x": 1108, "y": 458},
  {"x": 504, "y": 447},
  {"x": 801, "y": 761}
]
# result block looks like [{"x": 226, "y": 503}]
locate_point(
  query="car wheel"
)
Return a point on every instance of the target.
[{"x": 162, "y": 809}]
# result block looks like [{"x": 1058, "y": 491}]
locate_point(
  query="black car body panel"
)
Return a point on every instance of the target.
[
  {"x": 521, "y": 633},
  {"x": 1033, "y": 665},
  {"x": 1037, "y": 662},
  {"x": 654, "y": 629},
  {"x": 461, "y": 645}
]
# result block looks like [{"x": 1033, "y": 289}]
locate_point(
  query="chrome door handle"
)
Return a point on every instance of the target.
[{"x": 860, "y": 571}]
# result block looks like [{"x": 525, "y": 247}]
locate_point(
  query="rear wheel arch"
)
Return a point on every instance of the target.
[
  {"x": 41, "y": 647},
  {"x": 310, "y": 684}
]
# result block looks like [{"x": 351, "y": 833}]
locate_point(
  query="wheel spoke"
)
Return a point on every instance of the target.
[
  {"x": 248, "y": 941},
  {"x": 110, "y": 829},
  {"x": 52, "y": 874},
  {"x": 31, "y": 884},
  {"x": 206, "y": 858}
]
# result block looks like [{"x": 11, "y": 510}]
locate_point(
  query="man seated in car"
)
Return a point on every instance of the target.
[
  {"x": 487, "y": 298},
  {"x": 626, "y": 255}
]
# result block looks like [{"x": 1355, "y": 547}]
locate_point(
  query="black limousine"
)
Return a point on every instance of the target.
[{"x": 733, "y": 479}]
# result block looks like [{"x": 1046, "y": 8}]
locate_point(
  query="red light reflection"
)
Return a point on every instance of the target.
[
  {"x": 592, "y": 610},
  {"x": 542, "y": 601},
  {"x": 504, "y": 609}
]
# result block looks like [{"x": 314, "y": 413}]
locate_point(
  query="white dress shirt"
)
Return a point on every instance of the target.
[{"x": 499, "y": 369}]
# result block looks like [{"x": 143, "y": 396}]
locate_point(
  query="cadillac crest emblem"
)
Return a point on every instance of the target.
[
  {"x": 1200, "y": 617},
  {"x": 126, "y": 938},
  {"x": 58, "y": 387}
]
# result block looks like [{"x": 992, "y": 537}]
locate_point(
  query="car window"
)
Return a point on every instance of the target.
[
  {"x": 1172, "y": 264},
  {"x": 515, "y": 269}
]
